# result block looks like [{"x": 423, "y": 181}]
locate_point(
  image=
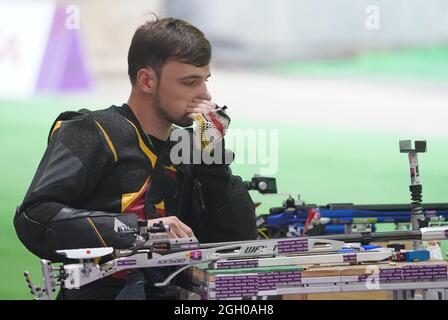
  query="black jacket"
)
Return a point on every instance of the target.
[{"x": 97, "y": 163}]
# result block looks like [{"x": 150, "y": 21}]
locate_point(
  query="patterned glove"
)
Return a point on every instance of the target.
[{"x": 211, "y": 128}]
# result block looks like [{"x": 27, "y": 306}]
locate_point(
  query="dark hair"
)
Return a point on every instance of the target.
[{"x": 156, "y": 42}]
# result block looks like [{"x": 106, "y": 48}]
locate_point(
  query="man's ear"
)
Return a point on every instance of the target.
[{"x": 147, "y": 80}]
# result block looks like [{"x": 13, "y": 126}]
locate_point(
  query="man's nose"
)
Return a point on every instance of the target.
[{"x": 204, "y": 93}]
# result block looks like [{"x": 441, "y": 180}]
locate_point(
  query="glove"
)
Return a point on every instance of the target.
[{"x": 211, "y": 128}]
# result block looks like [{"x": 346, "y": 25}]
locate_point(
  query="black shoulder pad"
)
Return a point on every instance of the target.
[{"x": 68, "y": 115}]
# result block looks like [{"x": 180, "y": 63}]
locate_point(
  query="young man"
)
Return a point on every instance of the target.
[{"x": 109, "y": 168}]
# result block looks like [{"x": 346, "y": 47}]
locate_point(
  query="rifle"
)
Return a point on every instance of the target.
[{"x": 184, "y": 253}]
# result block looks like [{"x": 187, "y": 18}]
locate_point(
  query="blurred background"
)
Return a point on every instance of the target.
[{"x": 341, "y": 81}]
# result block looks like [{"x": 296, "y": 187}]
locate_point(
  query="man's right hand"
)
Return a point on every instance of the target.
[{"x": 177, "y": 228}]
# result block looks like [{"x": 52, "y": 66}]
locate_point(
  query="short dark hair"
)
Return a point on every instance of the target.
[{"x": 156, "y": 42}]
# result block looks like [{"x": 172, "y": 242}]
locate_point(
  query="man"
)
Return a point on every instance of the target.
[{"x": 106, "y": 169}]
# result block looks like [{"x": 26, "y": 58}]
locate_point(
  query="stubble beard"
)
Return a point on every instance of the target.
[{"x": 183, "y": 123}]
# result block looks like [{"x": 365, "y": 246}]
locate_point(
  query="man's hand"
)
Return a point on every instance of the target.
[
  {"x": 199, "y": 106},
  {"x": 177, "y": 228},
  {"x": 211, "y": 123}
]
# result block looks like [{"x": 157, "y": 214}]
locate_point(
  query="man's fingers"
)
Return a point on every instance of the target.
[
  {"x": 172, "y": 235},
  {"x": 201, "y": 100},
  {"x": 205, "y": 105},
  {"x": 199, "y": 108},
  {"x": 177, "y": 230},
  {"x": 196, "y": 110},
  {"x": 188, "y": 231},
  {"x": 205, "y": 102},
  {"x": 185, "y": 229}
]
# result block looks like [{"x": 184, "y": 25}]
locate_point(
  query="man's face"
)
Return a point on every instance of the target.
[{"x": 179, "y": 83}]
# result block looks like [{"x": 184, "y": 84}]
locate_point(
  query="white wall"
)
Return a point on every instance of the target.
[
  {"x": 107, "y": 27},
  {"x": 254, "y": 30}
]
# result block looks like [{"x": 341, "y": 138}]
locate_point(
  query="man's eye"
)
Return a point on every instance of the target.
[{"x": 190, "y": 83}]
